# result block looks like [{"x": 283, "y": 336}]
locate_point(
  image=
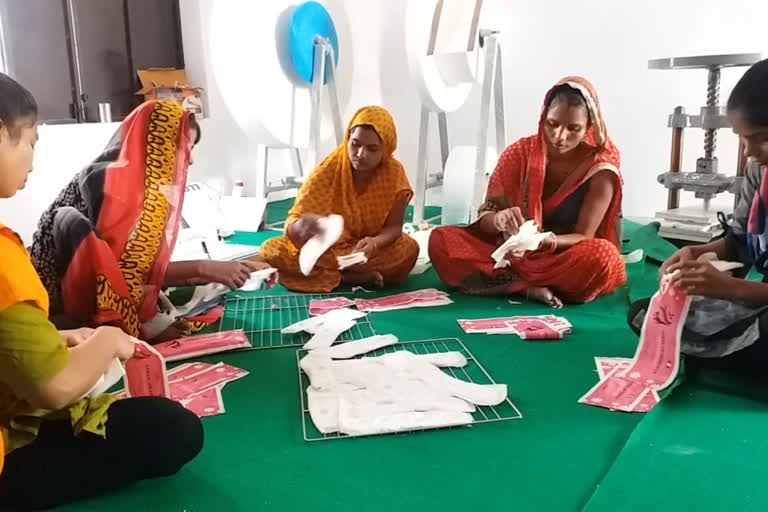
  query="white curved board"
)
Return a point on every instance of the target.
[
  {"x": 248, "y": 49},
  {"x": 444, "y": 79}
]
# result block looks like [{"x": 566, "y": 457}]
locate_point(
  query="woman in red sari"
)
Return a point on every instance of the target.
[
  {"x": 566, "y": 178},
  {"x": 103, "y": 248}
]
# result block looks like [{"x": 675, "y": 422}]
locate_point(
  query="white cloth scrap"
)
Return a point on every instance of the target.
[
  {"x": 528, "y": 238},
  {"x": 331, "y": 228},
  {"x": 390, "y": 393},
  {"x": 257, "y": 279},
  {"x": 325, "y": 335},
  {"x": 313, "y": 323},
  {"x": 350, "y": 260},
  {"x": 351, "y": 349}
]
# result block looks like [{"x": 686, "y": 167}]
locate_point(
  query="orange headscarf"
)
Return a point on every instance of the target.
[
  {"x": 330, "y": 189},
  {"x": 19, "y": 281},
  {"x": 519, "y": 176}
]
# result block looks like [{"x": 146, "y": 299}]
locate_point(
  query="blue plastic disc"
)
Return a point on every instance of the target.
[{"x": 308, "y": 20}]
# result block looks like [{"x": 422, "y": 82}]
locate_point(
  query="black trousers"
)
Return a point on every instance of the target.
[{"x": 147, "y": 437}]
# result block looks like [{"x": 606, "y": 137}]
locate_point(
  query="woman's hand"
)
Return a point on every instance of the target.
[
  {"x": 680, "y": 256},
  {"x": 368, "y": 246},
  {"x": 126, "y": 345},
  {"x": 702, "y": 279},
  {"x": 303, "y": 229},
  {"x": 262, "y": 265},
  {"x": 74, "y": 337},
  {"x": 549, "y": 244},
  {"x": 509, "y": 221},
  {"x": 232, "y": 274}
]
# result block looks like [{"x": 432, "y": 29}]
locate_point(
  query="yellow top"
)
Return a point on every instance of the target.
[{"x": 32, "y": 352}]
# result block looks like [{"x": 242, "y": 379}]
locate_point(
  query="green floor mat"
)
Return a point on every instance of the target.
[
  {"x": 646, "y": 237},
  {"x": 255, "y": 457},
  {"x": 701, "y": 449}
]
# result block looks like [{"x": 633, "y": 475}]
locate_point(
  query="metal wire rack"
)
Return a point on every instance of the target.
[
  {"x": 262, "y": 317},
  {"x": 472, "y": 372}
]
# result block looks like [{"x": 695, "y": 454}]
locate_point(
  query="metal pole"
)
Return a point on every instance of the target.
[
  {"x": 676, "y": 156},
  {"x": 333, "y": 95},
  {"x": 79, "y": 93},
  {"x": 442, "y": 127},
  {"x": 318, "y": 77},
  {"x": 713, "y": 100},
  {"x": 420, "y": 196}
]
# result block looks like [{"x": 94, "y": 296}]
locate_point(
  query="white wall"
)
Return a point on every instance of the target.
[{"x": 609, "y": 42}]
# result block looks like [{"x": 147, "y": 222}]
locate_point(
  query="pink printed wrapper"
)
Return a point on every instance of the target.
[
  {"x": 194, "y": 346},
  {"x": 535, "y": 329},
  {"x": 615, "y": 392},
  {"x": 484, "y": 324},
  {"x": 145, "y": 373},
  {"x": 205, "y": 403},
  {"x": 420, "y": 297},
  {"x": 606, "y": 365},
  {"x": 186, "y": 370},
  {"x": 217, "y": 374},
  {"x": 648, "y": 402},
  {"x": 527, "y": 327},
  {"x": 657, "y": 359},
  {"x": 319, "y": 307}
]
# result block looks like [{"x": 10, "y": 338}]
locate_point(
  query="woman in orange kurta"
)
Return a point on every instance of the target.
[
  {"x": 567, "y": 179},
  {"x": 363, "y": 182}
]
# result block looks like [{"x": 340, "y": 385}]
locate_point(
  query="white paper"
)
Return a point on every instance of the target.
[
  {"x": 528, "y": 238},
  {"x": 257, "y": 279},
  {"x": 114, "y": 373},
  {"x": 243, "y": 213},
  {"x": 635, "y": 256},
  {"x": 331, "y": 228}
]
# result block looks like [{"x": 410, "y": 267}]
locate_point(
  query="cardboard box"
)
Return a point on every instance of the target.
[{"x": 171, "y": 84}]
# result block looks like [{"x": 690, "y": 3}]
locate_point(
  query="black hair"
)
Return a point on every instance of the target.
[
  {"x": 569, "y": 95},
  {"x": 194, "y": 124},
  {"x": 750, "y": 96},
  {"x": 16, "y": 105}
]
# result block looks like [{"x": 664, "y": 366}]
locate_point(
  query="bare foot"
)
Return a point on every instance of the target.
[
  {"x": 543, "y": 295},
  {"x": 177, "y": 329},
  {"x": 374, "y": 279}
]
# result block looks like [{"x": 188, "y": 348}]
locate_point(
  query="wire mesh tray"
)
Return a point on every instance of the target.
[
  {"x": 472, "y": 372},
  {"x": 262, "y": 317}
]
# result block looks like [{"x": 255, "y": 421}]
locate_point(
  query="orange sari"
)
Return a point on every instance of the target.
[
  {"x": 586, "y": 270},
  {"x": 330, "y": 190}
]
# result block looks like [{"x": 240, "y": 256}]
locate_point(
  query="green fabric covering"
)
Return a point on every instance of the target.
[
  {"x": 703, "y": 448},
  {"x": 646, "y": 237},
  {"x": 255, "y": 456},
  {"x": 551, "y": 460}
]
